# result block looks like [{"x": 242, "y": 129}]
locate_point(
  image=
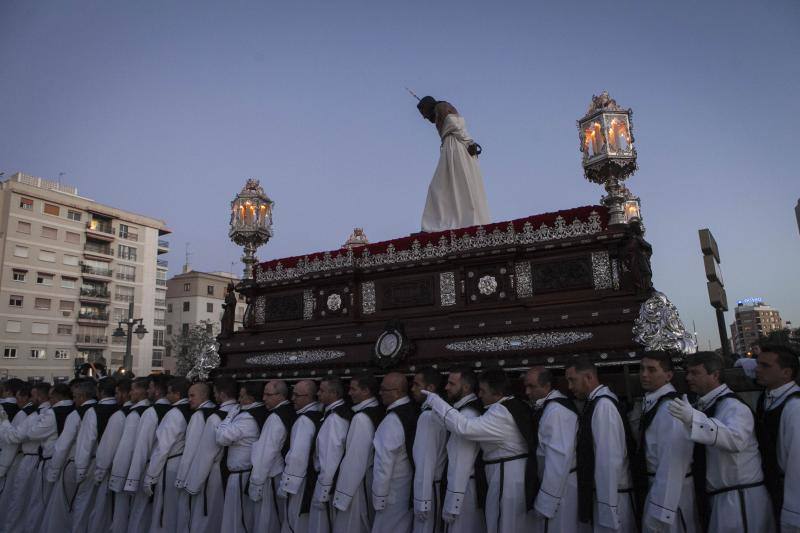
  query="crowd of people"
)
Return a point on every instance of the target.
[{"x": 438, "y": 453}]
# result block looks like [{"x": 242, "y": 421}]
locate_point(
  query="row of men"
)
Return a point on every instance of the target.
[{"x": 157, "y": 455}]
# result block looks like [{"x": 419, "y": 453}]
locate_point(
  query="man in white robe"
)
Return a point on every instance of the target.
[
  {"x": 49, "y": 426},
  {"x": 298, "y": 460},
  {"x": 778, "y": 430},
  {"x": 556, "y": 423},
  {"x": 505, "y": 450},
  {"x": 202, "y": 407},
  {"x": 238, "y": 432},
  {"x": 162, "y": 469},
  {"x": 429, "y": 456},
  {"x": 10, "y": 458},
  {"x": 393, "y": 470},
  {"x": 268, "y": 459},
  {"x": 608, "y": 442},
  {"x": 456, "y": 197},
  {"x": 100, "y": 519},
  {"x": 723, "y": 424},
  {"x": 123, "y": 456},
  {"x": 328, "y": 452},
  {"x": 352, "y": 513},
  {"x": 204, "y": 478},
  {"x": 462, "y": 511},
  {"x": 665, "y": 453},
  {"x": 141, "y": 510}
]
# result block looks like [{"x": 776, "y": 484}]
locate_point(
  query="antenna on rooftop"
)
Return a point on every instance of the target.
[
  {"x": 59, "y": 177},
  {"x": 186, "y": 267}
]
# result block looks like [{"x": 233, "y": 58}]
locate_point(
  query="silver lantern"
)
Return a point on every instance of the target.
[{"x": 251, "y": 222}]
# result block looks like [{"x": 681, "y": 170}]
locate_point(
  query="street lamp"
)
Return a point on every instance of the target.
[{"x": 140, "y": 331}]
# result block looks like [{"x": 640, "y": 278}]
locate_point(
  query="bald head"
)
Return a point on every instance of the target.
[
  {"x": 393, "y": 387},
  {"x": 305, "y": 393},
  {"x": 199, "y": 393}
]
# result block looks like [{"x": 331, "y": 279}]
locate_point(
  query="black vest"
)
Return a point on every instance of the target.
[
  {"x": 84, "y": 408},
  {"x": 161, "y": 410},
  {"x": 62, "y": 412},
  {"x": 208, "y": 411},
  {"x": 311, "y": 472},
  {"x": 103, "y": 413},
  {"x": 408, "y": 414},
  {"x": 586, "y": 458},
  {"x": 11, "y": 410},
  {"x": 287, "y": 415},
  {"x": 375, "y": 414},
  {"x": 29, "y": 409},
  {"x": 186, "y": 411},
  {"x": 139, "y": 410},
  {"x": 523, "y": 418},
  {"x": 768, "y": 423},
  {"x": 343, "y": 411},
  {"x": 481, "y": 483},
  {"x": 126, "y": 409},
  {"x": 640, "y": 479}
]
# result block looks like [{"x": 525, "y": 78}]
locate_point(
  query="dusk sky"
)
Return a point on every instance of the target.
[{"x": 166, "y": 108}]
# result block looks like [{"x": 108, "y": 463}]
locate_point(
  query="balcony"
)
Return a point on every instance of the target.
[
  {"x": 100, "y": 229},
  {"x": 94, "y": 294},
  {"x": 98, "y": 250},
  {"x": 159, "y": 322},
  {"x": 90, "y": 341},
  {"x": 90, "y": 271},
  {"x": 92, "y": 318},
  {"x": 163, "y": 246},
  {"x": 161, "y": 283},
  {"x": 162, "y": 263},
  {"x": 126, "y": 277},
  {"x": 123, "y": 297},
  {"x": 125, "y": 234},
  {"x": 161, "y": 303}
]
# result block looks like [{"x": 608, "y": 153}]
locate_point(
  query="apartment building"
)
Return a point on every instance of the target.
[
  {"x": 71, "y": 266},
  {"x": 194, "y": 298},
  {"x": 754, "y": 319}
]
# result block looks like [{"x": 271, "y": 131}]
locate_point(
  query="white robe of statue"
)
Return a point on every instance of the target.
[{"x": 456, "y": 198}]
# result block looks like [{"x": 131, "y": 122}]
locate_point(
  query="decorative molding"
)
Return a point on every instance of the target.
[
  {"x": 368, "y": 297},
  {"x": 487, "y": 285},
  {"x": 447, "y": 288},
  {"x": 601, "y": 270},
  {"x": 308, "y": 304},
  {"x": 531, "y": 341},
  {"x": 524, "y": 282},
  {"x": 334, "y": 302},
  {"x": 297, "y": 357},
  {"x": 261, "y": 308},
  {"x": 660, "y": 328}
]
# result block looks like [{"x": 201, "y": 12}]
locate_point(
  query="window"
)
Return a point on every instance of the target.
[
  {"x": 184, "y": 329},
  {"x": 50, "y": 209},
  {"x": 127, "y": 252},
  {"x": 68, "y": 283},
  {"x": 47, "y": 256},
  {"x": 49, "y": 233},
  {"x": 185, "y": 306},
  {"x": 66, "y": 305},
  {"x": 42, "y": 303},
  {"x": 124, "y": 230},
  {"x": 20, "y": 251},
  {"x": 15, "y": 301},
  {"x": 209, "y": 307},
  {"x": 19, "y": 275},
  {"x": 120, "y": 314},
  {"x": 210, "y": 329},
  {"x": 9, "y": 352},
  {"x": 64, "y": 329},
  {"x": 124, "y": 294},
  {"x": 44, "y": 279},
  {"x": 40, "y": 328},
  {"x": 13, "y": 326},
  {"x": 61, "y": 354},
  {"x": 158, "y": 337},
  {"x": 158, "y": 358},
  {"x": 169, "y": 329},
  {"x": 126, "y": 272},
  {"x": 187, "y": 287},
  {"x": 210, "y": 290},
  {"x": 72, "y": 237},
  {"x": 74, "y": 215},
  {"x": 23, "y": 227},
  {"x": 70, "y": 260},
  {"x": 38, "y": 353},
  {"x": 26, "y": 203}
]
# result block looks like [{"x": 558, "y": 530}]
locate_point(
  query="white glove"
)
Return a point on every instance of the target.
[
  {"x": 147, "y": 488},
  {"x": 3, "y": 415},
  {"x": 421, "y": 516},
  {"x": 681, "y": 409},
  {"x": 281, "y": 493},
  {"x": 52, "y": 475},
  {"x": 255, "y": 492},
  {"x": 99, "y": 475},
  {"x": 449, "y": 518}
]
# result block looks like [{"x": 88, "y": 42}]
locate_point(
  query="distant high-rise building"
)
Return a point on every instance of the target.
[
  {"x": 71, "y": 266},
  {"x": 754, "y": 319}
]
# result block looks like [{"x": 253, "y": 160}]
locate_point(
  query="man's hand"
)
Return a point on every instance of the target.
[
  {"x": 147, "y": 488},
  {"x": 421, "y": 516},
  {"x": 474, "y": 149},
  {"x": 449, "y": 518},
  {"x": 651, "y": 525},
  {"x": 256, "y": 492},
  {"x": 52, "y": 475},
  {"x": 681, "y": 409}
]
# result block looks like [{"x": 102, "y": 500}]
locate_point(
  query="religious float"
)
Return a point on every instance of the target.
[{"x": 533, "y": 291}]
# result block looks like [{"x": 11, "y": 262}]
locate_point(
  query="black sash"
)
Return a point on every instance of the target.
[
  {"x": 126, "y": 409},
  {"x": 208, "y": 411},
  {"x": 11, "y": 410},
  {"x": 523, "y": 418},
  {"x": 103, "y": 413},
  {"x": 161, "y": 410},
  {"x": 311, "y": 472},
  {"x": 481, "y": 483},
  {"x": 29, "y": 409},
  {"x": 83, "y": 408},
  {"x": 288, "y": 415},
  {"x": 62, "y": 412},
  {"x": 186, "y": 411},
  {"x": 260, "y": 415},
  {"x": 768, "y": 424},
  {"x": 375, "y": 415},
  {"x": 140, "y": 410},
  {"x": 640, "y": 479},
  {"x": 408, "y": 415}
]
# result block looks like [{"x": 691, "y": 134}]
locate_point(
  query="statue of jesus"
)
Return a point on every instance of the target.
[{"x": 456, "y": 198}]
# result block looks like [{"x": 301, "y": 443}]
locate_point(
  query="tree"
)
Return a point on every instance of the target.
[
  {"x": 786, "y": 337},
  {"x": 196, "y": 350}
]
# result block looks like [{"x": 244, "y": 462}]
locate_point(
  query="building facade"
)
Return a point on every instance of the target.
[
  {"x": 71, "y": 266},
  {"x": 754, "y": 319},
  {"x": 195, "y": 298}
]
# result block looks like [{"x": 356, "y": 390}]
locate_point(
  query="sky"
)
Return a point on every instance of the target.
[{"x": 166, "y": 108}]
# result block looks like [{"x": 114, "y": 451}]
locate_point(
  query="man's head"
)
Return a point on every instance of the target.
[
  {"x": 304, "y": 393},
  {"x": 362, "y": 387},
  {"x": 250, "y": 392},
  {"x": 83, "y": 390},
  {"x": 40, "y": 393},
  {"x": 225, "y": 389},
  {"x": 582, "y": 377},
  {"x": 493, "y": 385},
  {"x": 123, "y": 392},
  {"x": 59, "y": 393},
  {"x": 428, "y": 379},
  {"x": 538, "y": 383},
  {"x": 140, "y": 389},
  {"x": 427, "y": 108},
  {"x": 158, "y": 387},
  {"x": 461, "y": 382},
  {"x": 331, "y": 390},
  {"x": 777, "y": 365},
  {"x": 107, "y": 388},
  {"x": 177, "y": 389},
  {"x": 703, "y": 372},
  {"x": 12, "y": 387},
  {"x": 275, "y": 392},
  {"x": 199, "y": 393},
  {"x": 655, "y": 370},
  {"x": 393, "y": 387}
]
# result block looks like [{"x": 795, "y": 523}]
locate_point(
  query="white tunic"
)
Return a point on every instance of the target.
[
  {"x": 499, "y": 437},
  {"x": 268, "y": 464},
  {"x": 16, "y": 494},
  {"x": 194, "y": 432},
  {"x": 353, "y": 514},
  {"x": 100, "y": 520},
  {"x": 328, "y": 455},
  {"x": 732, "y": 459},
  {"x": 60, "y": 471},
  {"x": 204, "y": 479},
  {"x": 556, "y": 502},
  {"x": 293, "y": 481},
  {"x": 85, "y": 448},
  {"x": 670, "y": 502},
  {"x": 392, "y": 475},
  {"x": 120, "y": 467},
  {"x": 456, "y": 198},
  {"x": 788, "y": 453},
  {"x": 429, "y": 462},
  {"x": 460, "y": 499},
  {"x": 10, "y": 460},
  {"x": 239, "y": 431}
]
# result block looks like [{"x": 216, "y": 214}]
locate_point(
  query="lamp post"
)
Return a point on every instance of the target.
[
  {"x": 609, "y": 157},
  {"x": 251, "y": 222},
  {"x": 140, "y": 331}
]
